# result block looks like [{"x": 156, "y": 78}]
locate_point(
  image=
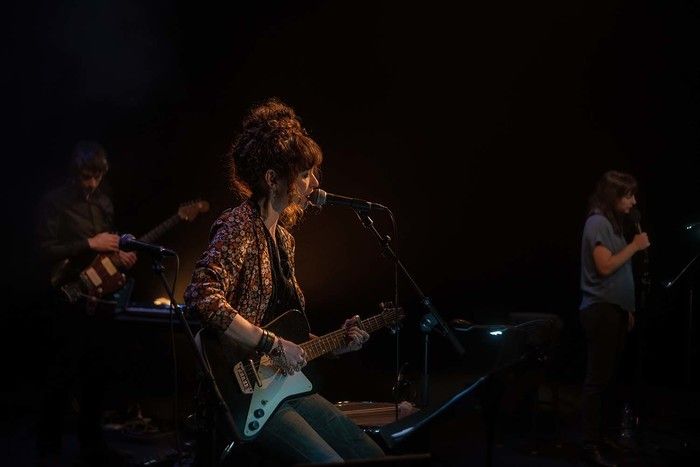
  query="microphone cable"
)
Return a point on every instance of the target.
[
  {"x": 396, "y": 298},
  {"x": 176, "y": 386}
]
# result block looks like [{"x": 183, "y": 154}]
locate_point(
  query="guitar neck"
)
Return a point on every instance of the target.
[
  {"x": 337, "y": 340},
  {"x": 160, "y": 229}
]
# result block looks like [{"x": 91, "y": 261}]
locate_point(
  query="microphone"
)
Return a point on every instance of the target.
[
  {"x": 319, "y": 197},
  {"x": 128, "y": 242},
  {"x": 635, "y": 217}
]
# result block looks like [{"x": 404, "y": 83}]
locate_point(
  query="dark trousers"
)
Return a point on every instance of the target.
[
  {"x": 74, "y": 350},
  {"x": 605, "y": 329}
]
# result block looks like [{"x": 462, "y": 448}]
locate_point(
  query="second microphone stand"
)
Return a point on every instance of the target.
[
  {"x": 221, "y": 405},
  {"x": 431, "y": 320}
]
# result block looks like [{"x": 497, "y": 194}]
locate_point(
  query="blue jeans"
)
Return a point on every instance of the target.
[{"x": 311, "y": 429}]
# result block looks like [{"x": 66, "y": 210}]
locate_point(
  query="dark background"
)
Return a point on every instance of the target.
[{"x": 484, "y": 127}]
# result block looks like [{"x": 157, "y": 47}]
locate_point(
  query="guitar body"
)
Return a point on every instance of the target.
[
  {"x": 103, "y": 276},
  {"x": 251, "y": 386}
]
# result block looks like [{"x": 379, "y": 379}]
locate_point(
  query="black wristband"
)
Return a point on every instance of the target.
[
  {"x": 271, "y": 338},
  {"x": 267, "y": 340},
  {"x": 263, "y": 340}
]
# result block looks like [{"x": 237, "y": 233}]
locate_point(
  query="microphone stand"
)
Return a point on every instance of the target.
[
  {"x": 431, "y": 321},
  {"x": 158, "y": 268}
]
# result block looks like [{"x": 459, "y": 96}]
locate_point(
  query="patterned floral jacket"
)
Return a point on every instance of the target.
[{"x": 234, "y": 274}]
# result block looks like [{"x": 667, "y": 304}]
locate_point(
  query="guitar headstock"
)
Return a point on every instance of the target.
[
  {"x": 188, "y": 211},
  {"x": 391, "y": 313}
]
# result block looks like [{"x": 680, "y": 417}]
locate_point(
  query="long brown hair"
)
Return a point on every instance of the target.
[
  {"x": 272, "y": 138},
  {"x": 611, "y": 187}
]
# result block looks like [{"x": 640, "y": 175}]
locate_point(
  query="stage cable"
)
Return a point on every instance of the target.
[
  {"x": 176, "y": 406},
  {"x": 397, "y": 334}
]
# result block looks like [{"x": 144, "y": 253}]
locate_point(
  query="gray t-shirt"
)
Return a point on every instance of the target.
[{"x": 617, "y": 288}]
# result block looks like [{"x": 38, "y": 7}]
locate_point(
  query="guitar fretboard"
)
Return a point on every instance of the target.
[
  {"x": 337, "y": 339},
  {"x": 160, "y": 229}
]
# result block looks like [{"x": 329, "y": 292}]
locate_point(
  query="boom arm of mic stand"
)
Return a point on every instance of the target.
[
  {"x": 427, "y": 323},
  {"x": 158, "y": 268}
]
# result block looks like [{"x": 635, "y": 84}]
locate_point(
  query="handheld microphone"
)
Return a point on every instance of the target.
[
  {"x": 319, "y": 197},
  {"x": 128, "y": 242},
  {"x": 636, "y": 216}
]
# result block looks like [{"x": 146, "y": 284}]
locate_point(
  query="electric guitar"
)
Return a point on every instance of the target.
[
  {"x": 253, "y": 387},
  {"x": 103, "y": 276}
]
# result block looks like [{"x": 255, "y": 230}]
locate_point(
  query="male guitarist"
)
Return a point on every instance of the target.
[
  {"x": 75, "y": 224},
  {"x": 245, "y": 279}
]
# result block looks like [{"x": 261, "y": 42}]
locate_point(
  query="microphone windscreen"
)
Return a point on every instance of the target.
[
  {"x": 317, "y": 197},
  {"x": 124, "y": 241}
]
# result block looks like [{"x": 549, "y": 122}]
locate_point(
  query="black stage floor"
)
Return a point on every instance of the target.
[{"x": 668, "y": 434}]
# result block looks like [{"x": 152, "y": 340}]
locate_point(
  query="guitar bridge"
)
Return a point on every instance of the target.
[
  {"x": 72, "y": 292},
  {"x": 247, "y": 376}
]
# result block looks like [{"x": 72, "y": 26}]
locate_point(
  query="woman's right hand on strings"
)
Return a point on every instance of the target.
[
  {"x": 288, "y": 356},
  {"x": 104, "y": 242}
]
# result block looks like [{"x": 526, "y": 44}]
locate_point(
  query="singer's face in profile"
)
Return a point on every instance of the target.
[
  {"x": 625, "y": 204},
  {"x": 306, "y": 182}
]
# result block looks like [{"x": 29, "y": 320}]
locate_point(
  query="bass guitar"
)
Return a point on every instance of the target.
[
  {"x": 253, "y": 387},
  {"x": 103, "y": 276}
]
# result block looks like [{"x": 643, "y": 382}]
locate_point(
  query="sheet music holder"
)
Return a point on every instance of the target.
[
  {"x": 513, "y": 353},
  {"x": 396, "y": 432}
]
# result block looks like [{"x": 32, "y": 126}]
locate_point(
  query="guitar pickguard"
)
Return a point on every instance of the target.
[{"x": 275, "y": 388}]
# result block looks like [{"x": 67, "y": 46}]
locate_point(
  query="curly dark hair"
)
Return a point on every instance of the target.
[
  {"x": 612, "y": 186},
  {"x": 272, "y": 138}
]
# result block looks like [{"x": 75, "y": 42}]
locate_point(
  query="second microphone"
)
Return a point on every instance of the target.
[{"x": 128, "y": 242}]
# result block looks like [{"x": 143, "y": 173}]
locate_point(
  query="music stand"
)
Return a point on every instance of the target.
[
  {"x": 689, "y": 370},
  {"x": 396, "y": 432},
  {"x": 487, "y": 391},
  {"x": 487, "y": 388}
]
